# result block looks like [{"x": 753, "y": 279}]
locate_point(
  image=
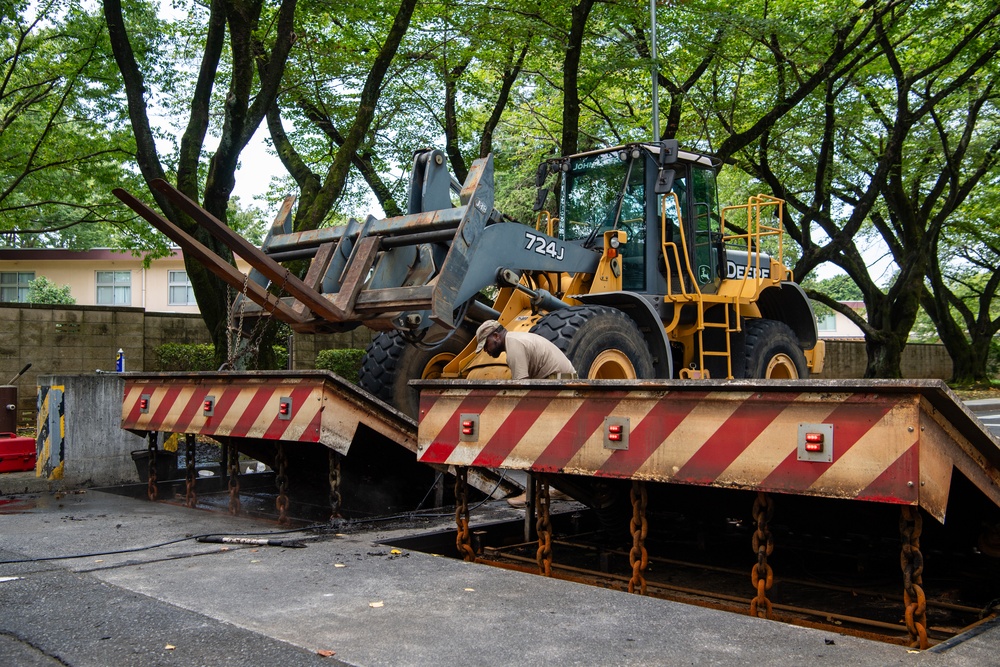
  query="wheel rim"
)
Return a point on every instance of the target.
[
  {"x": 432, "y": 371},
  {"x": 612, "y": 365},
  {"x": 781, "y": 367}
]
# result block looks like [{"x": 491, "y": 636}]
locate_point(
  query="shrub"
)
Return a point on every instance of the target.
[
  {"x": 185, "y": 357},
  {"x": 42, "y": 290},
  {"x": 345, "y": 363}
]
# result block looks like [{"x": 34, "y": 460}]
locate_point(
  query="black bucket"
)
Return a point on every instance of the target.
[{"x": 166, "y": 464}]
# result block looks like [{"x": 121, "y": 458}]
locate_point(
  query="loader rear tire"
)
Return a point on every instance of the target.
[
  {"x": 771, "y": 351},
  {"x": 603, "y": 343},
  {"x": 390, "y": 363}
]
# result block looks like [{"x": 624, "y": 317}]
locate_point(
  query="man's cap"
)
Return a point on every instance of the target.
[{"x": 484, "y": 330}]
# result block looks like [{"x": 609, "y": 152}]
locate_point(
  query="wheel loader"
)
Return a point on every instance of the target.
[{"x": 641, "y": 274}]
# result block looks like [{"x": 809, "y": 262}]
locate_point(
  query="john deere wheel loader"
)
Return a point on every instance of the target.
[{"x": 641, "y": 275}]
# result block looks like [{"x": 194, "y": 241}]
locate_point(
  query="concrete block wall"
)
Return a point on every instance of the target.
[
  {"x": 60, "y": 339},
  {"x": 82, "y": 339},
  {"x": 163, "y": 328},
  {"x": 847, "y": 359},
  {"x": 305, "y": 347}
]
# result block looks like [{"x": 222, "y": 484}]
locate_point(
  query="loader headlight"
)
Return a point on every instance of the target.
[{"x": 614, "y": 242}]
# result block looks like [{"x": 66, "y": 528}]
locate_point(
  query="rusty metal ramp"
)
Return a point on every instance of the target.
[
  {"x": 305, "y": 407},
  {"x": 291, "y": 406},
  {"x": 887, "y": 441}
]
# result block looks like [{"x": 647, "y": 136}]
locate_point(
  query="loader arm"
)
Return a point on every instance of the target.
[{"x": 407, "y": 272}]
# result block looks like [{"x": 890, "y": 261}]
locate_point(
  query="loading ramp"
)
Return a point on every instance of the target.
[{"x": 888, "y": 441}]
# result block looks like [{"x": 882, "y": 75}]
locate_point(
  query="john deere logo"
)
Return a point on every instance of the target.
[{"x": 704, "y": 274}]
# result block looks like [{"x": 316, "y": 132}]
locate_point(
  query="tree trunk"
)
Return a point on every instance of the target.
[
  {"x": 571, "y": 76},
  {"x": 244, "y": 110}
]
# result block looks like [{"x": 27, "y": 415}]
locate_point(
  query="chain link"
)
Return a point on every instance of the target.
[
  {"x": 638, "y": 558},
  {"x": 252, "y": 348},
  {"x": 233, "y": 455},
  {"x": 281, "y": 479},
  {"x": 152, "y": 491},
  {"x": 761, "y": 576},
  {"x": 190, "y": 496},
  {"x": 912, "y": 562},
  {"x": 462, "y": 538},
  {"x": 335, "y": 498},
  {"x": 543, "y": 525}
]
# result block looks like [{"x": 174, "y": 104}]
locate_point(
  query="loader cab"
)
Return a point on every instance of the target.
[{"x": 629, "y": 188}]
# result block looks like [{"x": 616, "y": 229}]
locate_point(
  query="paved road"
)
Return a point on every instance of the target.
[
  {"x": 352, "y": 595},
  {"x": 988, "y": 411}
]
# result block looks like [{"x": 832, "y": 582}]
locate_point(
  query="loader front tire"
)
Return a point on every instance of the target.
[
  {"x": 603, "y": 343},
  {"x": 390, "y": 363},
  {"x": 772, "y": 352}
]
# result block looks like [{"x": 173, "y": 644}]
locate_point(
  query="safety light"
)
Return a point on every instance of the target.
[
  {"x": 285, "y": 408},
  {"x": 208, "y": 406},
  {"x": 814, "y": 442},
  {"x": 468, "y": 427},
  {"x": 615, "y": 432},
  {"x": 143, "y": 404}
]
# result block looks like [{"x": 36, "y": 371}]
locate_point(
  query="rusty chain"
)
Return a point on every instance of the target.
[
  {"x": 912, "y": 563},
  {"x": 335, "y": 498},
  {"x": 233, "y": 455},
  {"x": 462, "y": 538},
  {"x": 281, "y": 479},
  {"x": 152, "y": 491},
  {"x": 190, "y": 496},
  {"x": 543, "y": 525},
  {"x": 233, "y": 331},
  {"x": 638, "y": 557},
  {"x": 761, "y": 576}
]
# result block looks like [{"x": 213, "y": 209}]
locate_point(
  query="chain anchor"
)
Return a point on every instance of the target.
[
  {"x": 152, "y": 491},
  {"x": 762, "y": 576},
  {"x": 233, "y": 455},
  {"x": 462, "y": 538},
  {"x": 281, "y": 480},
  {"x": 638, "y": 557},
  {"x": 543, "y": 525},
  {"x": 190, "y": 496},
  {"x": 912, "y": 563}
]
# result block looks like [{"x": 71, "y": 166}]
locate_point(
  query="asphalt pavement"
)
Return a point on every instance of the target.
[
  {"x": 348, "y": 598},
  {"x": 988, "y": 412}
]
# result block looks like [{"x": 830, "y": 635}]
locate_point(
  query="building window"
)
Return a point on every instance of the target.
[
  {"x": 827, "y": 322},
  {"x": 14, "y": 285},
  {"x": 114, "y": 288},
  {"x": 181, "y": 292}
]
